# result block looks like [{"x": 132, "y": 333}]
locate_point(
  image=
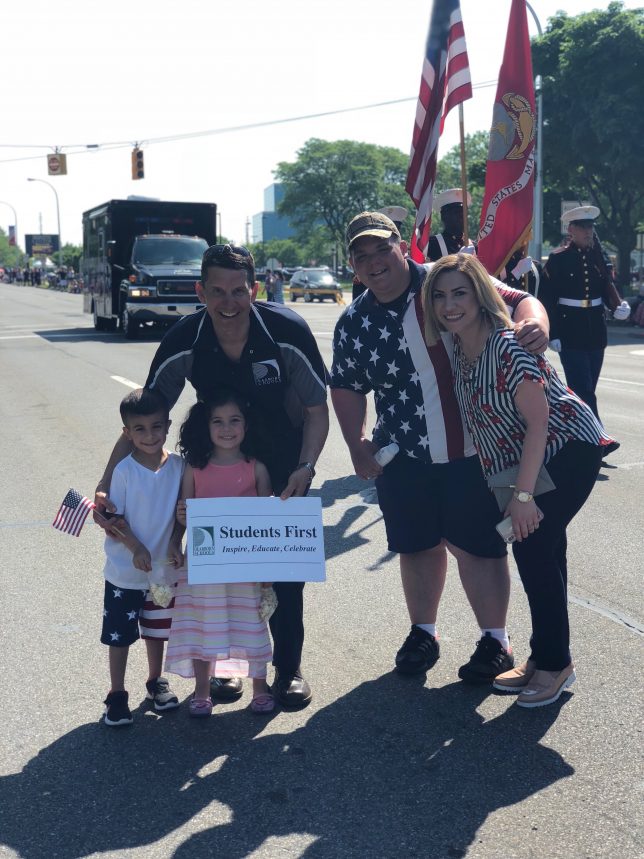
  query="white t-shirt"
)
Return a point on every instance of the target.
[{"x": 148, "y": 500}]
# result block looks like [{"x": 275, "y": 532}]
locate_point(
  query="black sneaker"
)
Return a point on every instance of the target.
[
  {"x": 161, "y": 695},
  {"x": 419, "y": 652},
  {"x": 610, "y": 448},
  {"x": 489, "y": 659},
  {"x": 117, "y": 711}
]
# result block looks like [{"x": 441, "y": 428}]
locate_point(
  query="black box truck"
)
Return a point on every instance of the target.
[{"x": 142, "y": 259}]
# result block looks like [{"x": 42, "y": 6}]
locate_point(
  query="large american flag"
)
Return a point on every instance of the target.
[
  {"x": 72, "y": 513},
  {"x": 445, "y": 82}
]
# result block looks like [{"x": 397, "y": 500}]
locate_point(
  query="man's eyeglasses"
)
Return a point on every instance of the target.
[{"x": 226, "y": 250}]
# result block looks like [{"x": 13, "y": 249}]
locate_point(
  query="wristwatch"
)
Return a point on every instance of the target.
[
  {"x": 308, "y": 465},
  {"x": 523, "y": 497}
]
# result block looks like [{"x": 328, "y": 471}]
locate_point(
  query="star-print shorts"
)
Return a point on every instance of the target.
[{"x": 121, "y": 607}]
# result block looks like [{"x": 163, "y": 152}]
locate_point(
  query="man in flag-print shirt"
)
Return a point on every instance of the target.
[{"x": 433, "y": 494}]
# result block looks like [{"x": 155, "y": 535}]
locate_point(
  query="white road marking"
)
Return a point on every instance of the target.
[
  {"x": 620, "y": 381},
  {"x": 127, "y": 382},
  {"x": 637, "y": 352}
]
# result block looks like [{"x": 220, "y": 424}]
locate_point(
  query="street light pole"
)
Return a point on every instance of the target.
[
  {"x": 60, "y": 238},
  {"x": 15, "y": 218},
  {"x": 537, "y": 232}
]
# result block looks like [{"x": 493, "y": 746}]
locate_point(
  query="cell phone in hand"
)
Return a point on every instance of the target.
[{"x": 505, "y": 527}]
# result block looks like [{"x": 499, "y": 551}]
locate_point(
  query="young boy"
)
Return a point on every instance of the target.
[{"x": 144, "y": 488}]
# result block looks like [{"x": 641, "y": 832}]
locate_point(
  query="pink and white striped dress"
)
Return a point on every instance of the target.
[{"x": 220, "y": 624}]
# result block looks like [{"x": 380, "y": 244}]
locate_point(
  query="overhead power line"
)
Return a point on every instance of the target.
[{"x": 84, "y": 148}]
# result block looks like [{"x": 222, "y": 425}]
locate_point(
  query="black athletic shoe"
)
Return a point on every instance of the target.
[
  {"x": 117, "y": 711},
  {"x": 419, "y": 652},
  {"x": 489, "y": 659},
  {"x": 161, "y": 695}
]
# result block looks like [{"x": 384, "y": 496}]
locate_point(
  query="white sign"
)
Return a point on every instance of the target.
[{"x": 255, "y": 540}]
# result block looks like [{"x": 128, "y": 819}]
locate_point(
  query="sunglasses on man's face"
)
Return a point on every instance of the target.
[{"x": 226, "y": 250}]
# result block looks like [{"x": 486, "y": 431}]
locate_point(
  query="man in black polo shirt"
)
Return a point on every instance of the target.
[{"x": 268, "y": 354}]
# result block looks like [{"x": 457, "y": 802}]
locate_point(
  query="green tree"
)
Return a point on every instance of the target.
[
  {"x": 448, "y": 175},
  {"x": 330, "y": 182},
  {"x": 287, "y": 251},
  {"x": 10, "y": 255},
  {"x": 592, "y": 69},
  {"x": 71, "y": 256}
]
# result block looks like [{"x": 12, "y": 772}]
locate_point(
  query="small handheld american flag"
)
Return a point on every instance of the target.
[{"x": 73, "y": 512}]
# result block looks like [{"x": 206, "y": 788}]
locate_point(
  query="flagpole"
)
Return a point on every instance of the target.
[{"x": 461, "y": 126}]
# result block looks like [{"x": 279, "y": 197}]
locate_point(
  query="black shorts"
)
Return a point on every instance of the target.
[
  {"x": 424, "y": 503},
  {"x": 121, "y": 607}
]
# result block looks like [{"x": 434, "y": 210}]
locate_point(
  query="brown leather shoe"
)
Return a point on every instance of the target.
[
  {"x": 291, "y": 690},
  {"x": 545, "y": 687},
  {"x": 515, "y": 679}
]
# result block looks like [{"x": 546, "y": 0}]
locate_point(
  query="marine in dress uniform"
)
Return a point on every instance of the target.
[
  {"x": 575, "y": 289},
  {"x": 450, "y": 240}
]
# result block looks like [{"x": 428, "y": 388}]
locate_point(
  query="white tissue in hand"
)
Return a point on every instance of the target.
[
  {"x": 555, "y": 345},
  {"x": 161, "y": 594},
  {"x": 622, "y": 312},
  {"x": 386, "y": 454},
  {"x": 267, "y": 602}
]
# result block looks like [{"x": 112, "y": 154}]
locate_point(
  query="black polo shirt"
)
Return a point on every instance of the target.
[{"x": 280, "y": 373}]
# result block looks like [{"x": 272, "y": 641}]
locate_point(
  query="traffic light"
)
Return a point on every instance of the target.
[{"x": 137, "y": 164}]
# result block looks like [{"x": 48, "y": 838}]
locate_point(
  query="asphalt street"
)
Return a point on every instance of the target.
[{"x": 377, "y": 767}]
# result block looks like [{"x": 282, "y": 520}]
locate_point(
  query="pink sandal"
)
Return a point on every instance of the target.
[
  {"x": 263, "y": 703},
  {"x": 200, "y": 707}
]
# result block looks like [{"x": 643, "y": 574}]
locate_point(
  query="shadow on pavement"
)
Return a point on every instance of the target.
[
  {"x": 391, "y": 769},
  {"x": 343, "y": 536},
  {"x": 84, "y": 334}
]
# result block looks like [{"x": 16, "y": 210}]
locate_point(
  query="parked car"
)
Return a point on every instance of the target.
[{"x": 315, "y": 283}]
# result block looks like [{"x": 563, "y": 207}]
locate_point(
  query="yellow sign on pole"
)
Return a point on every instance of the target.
[{"x": 57, "y": 164}]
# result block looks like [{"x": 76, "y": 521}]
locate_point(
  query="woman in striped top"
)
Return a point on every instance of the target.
[{"x": 520, "y": 414}]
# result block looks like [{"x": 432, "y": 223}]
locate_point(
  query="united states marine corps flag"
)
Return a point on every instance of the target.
[{"x": 506, "y": 217}]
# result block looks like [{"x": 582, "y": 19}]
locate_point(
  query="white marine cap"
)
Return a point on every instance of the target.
[
  {"x": 396, "y": 213},
  {"x": 450, "y": 197},
  {"x": 579, "y": 213}
]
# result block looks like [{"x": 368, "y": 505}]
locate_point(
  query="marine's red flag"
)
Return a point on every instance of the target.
[
  {"x": 506, "y": 216},
  {"x": 444, "y": 83}
]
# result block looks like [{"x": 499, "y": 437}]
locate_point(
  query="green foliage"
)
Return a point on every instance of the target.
[
  {"x": 592, "y": 69},
  {"x": 331, "y": 182},
  {"x": 71, "y": 256},
  {"x": 10, "y": 255}
]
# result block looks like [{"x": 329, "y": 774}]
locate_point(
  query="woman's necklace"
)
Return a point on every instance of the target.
[{"x": 468, "y": 365}]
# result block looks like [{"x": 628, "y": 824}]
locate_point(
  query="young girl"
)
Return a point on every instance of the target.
[{"x": 216, "y": 628}]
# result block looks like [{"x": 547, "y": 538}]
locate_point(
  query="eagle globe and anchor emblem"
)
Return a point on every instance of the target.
[{"x": 513, "y": 128}]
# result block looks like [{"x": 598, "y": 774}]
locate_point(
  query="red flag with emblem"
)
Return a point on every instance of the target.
[{"x": 506, "y": 216}]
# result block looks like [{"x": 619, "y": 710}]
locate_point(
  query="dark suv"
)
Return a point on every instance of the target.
[{"x": 319, "y": 283}]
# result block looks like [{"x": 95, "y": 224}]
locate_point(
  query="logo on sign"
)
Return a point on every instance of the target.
[{"x": 203, "y": 540}]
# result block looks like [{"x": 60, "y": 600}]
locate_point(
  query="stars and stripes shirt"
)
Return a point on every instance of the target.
[
  {"x": 486, "y": 395},
  {"x": 380, "y": 348}
]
